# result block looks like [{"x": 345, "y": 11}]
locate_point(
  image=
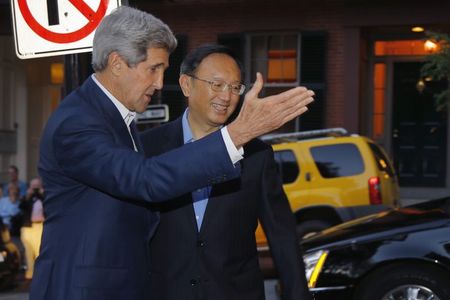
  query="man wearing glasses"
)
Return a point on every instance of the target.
[{"x": 204, "y": 246}]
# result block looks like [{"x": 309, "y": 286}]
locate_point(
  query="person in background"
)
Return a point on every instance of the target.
[
  {"x": 9, "y": 205},
  {"x": 33, "y": 218},
  {"x": 13, "y": 173},
  {"x": 12, "y": 218},
  {"x": 204, "y": 247},
  {"x": 97, "y": 181}
]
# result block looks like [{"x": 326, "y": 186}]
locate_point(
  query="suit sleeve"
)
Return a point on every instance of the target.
[
  {"x": 88, "y": 153},
  {"x": 279, "y": 226}
]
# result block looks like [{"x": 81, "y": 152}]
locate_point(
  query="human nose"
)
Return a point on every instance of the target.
[
  {"x": 159, "y": 82},
  {"x": 225, "y": 94}
]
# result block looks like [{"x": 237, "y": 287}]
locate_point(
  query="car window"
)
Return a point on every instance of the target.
[
  {"x": 287, "y": 165},
  {"x": 338, "y": 160},
  {"x": 383, "y": 162}
]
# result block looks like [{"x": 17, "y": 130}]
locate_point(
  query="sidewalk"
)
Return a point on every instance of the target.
[
  {"x": 14, "y": 296},
  {"x": 269, "y": 286}
]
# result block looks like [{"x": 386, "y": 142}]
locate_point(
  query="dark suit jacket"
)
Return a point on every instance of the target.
[
  {"x": 96, "y": 232},
  {"x": 220, "y": 262}
]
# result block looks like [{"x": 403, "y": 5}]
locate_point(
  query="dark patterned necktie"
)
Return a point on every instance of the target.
[{"x": 134, "y": 134}]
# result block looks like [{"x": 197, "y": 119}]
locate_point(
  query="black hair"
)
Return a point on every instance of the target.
[
  {"x": 195, "y": 57},
  {"x": 14, "y": 167}
]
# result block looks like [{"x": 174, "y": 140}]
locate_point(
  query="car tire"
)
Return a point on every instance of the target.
[
  {"x": 397, "y": 280},
  {"x": 306, "y": 228}
]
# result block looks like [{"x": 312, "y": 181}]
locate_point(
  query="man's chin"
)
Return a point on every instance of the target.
[
  {"x": 219, "y": 121},
  {"x": 141, "y": 109}
]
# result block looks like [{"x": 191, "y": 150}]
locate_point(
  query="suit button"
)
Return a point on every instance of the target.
[
  {"x": 200, "y": 243},
  {"x": 193, "y": 282}
]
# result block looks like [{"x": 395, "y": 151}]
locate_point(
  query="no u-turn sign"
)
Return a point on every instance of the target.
[{"x": 55, "y": 27}]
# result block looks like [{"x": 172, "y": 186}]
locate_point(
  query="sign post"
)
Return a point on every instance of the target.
[
  {"x": 52, "y": 27},
  {"x": 155, "y": 113}
]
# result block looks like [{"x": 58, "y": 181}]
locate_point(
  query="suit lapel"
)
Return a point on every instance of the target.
[
  {"x": 216, "y": 191},
  {"x": 137, "y": 140},
  {"x": 174, "y": 139},
  {"x": 100, "y": 101}
]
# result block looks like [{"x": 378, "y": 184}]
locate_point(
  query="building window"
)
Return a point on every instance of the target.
[
  {"x": 379, "y": 91},
  {"x": 395, "y": 48},
  {"x": 286, "y": 60},
  {"x": 276, "y": 56}
]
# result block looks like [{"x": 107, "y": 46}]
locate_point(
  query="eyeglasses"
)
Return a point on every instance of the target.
[{"x": 220, "y": 85}]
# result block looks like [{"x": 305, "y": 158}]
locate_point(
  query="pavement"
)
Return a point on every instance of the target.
[
  {"x": 18, "y": 294},
  {"x": 14, "y": 296},
  {"x": 270, "y": 288}
]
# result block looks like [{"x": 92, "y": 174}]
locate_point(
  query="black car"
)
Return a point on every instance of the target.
[{"x": 398, "y": 254}]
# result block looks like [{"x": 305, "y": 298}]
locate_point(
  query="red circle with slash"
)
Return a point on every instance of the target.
[{"x": 93, "y": 18}]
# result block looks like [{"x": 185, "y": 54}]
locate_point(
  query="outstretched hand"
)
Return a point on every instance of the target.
[{"x": 262, "y": 115}]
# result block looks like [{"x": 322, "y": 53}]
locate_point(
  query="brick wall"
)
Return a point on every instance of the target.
[{"x": 203, "y": 21}]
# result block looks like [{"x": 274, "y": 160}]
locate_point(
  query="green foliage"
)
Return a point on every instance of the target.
[{"x": 437, "y": 66}]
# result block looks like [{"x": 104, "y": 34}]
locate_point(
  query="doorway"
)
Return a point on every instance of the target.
[{"x": 419, "y": 131}]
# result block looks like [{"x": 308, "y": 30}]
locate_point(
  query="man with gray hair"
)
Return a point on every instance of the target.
[{"x": 98, "y": 182}]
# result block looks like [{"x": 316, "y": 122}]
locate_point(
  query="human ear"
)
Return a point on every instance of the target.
[
  {"x": 115, "y": 62},
  {"x": 185, "y": 85}
]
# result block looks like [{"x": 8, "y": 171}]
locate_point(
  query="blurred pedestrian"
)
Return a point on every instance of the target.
[
  {"x": 33, "y": 218},
  {"x": 13, "y": 173},
  {"x": 12, "y": 218},
  {"x": 9, "y": 205}
]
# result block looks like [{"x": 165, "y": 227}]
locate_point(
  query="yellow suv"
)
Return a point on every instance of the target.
[{"x": 330, "y": 177}]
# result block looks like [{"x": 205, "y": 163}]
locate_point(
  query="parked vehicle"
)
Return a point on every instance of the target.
[
  {"x": 330, "y": 177},
  {"x": 398, "y": 254}
]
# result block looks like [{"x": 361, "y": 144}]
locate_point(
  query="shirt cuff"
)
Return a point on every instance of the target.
[{"x": 234, "y": 153}]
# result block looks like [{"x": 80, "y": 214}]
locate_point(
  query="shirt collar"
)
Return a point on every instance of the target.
[
  {"x": 127, "y": 115},
  {"x": 187, "y": 132}
]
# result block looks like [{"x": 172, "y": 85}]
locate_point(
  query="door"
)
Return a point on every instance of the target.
[{"x": 419, "y": 131}]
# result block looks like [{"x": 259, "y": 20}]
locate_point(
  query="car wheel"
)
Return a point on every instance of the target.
[
  {"x": 405, "y": 281},
  {"x": 309, "y": 227}
]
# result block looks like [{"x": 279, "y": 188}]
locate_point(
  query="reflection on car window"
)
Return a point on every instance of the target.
[
  {"x": 338, "y": 160},
  {"x": 381, "y": 159},
  {"x": 287, "y": 165}
]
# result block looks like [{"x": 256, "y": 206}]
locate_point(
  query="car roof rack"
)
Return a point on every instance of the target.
[{"x": 299, "y": 135}]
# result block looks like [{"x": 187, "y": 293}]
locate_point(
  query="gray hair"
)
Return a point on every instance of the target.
[{"x": 129, "y": 32}]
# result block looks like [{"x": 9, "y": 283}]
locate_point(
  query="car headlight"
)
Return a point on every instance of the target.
[{"x": 313, "y": 265}]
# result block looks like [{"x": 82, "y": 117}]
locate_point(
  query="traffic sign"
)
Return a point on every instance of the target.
[
  {"x": 154, "y": 114},
  {"x": 56, "y": 27}
]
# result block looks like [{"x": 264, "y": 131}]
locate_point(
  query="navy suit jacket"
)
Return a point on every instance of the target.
[
  {"x": 97, "y": 227},
  {"x": 220, "y": 262}
]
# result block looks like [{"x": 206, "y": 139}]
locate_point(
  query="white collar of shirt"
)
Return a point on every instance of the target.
[{"x": 127, "y": 115}]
